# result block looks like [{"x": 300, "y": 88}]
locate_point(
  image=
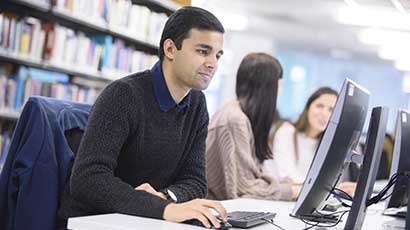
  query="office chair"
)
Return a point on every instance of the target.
[{"x": 39, "y": 162}]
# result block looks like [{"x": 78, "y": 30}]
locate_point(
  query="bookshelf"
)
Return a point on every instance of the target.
[
  {"x": 78, "y": 22},
  {"x": 37, "y": 5},
  {"x": 62, "y": 17},
  {"x": 90, "y": 47},
  {"x": 46, "y": 12},
  {"x": 42, "y": 64}
]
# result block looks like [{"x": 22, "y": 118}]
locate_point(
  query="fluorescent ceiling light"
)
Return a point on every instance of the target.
[
  {"x": 399, "y": 6},
  {"x": 393, "y": 52},
  {"x": 373, "y": 17},
  {"x": 351, "y": 3},
  {"x": 383, "y": 37},
  {"x": 402, "y": 65},
  {"x": 393, "y": 45}
]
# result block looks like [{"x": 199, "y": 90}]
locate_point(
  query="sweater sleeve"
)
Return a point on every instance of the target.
[
  {"x": 191, "y": 180},
  {"x": 242, "y": 175},
  {"x": 93, "y": 182}
]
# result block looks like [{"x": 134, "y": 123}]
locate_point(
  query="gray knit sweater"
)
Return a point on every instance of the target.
[{"x": 128, "y": 141}]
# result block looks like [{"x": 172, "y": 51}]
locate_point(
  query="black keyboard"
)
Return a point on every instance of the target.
[{"x": 249, "y": 219}]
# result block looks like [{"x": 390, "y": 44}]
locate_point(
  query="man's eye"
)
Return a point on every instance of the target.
[{"x": 204, "y": 52}]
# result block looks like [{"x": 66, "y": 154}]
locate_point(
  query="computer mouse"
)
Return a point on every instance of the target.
[
  {"x": 199, "y": 223},
  {"x": 224, "y": 225}
]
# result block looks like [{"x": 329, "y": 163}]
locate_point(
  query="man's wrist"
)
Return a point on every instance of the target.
[
  {"x": 167, "y": 211},
  {"x": 169, "y": 195}
]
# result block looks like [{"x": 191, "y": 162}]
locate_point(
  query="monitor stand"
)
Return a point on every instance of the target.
[{"x": 319, "y": 218}]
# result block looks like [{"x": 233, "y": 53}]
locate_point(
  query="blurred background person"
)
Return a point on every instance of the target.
[
  {"x": 294, "y": 145},
  {"x": 237, "y": 142}
]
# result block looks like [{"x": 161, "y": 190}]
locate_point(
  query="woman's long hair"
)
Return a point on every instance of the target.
[{"x": 257, "y": 89}]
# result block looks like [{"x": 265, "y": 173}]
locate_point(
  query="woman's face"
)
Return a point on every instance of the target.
[{"x": 319, "y": 112}]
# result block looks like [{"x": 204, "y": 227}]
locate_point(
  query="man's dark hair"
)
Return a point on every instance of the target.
[
  {"x": 180, "y": 23},
  {"x": 257, "y": 88}
]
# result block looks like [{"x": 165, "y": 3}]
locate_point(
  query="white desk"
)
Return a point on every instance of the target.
[{"x": 374, "y": 220}]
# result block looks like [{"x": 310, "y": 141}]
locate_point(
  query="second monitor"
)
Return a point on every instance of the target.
[
  {"x": 339, "y": 139},
  {"x": 368, "y": 171}
]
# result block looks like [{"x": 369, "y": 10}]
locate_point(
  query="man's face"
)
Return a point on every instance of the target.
[{"x": 195, "y": 64}]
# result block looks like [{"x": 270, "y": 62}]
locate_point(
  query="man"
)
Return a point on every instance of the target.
[{"x": 143, "y": 151}]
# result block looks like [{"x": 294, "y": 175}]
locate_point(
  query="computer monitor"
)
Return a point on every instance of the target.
[
  {"x": 401, "y": 161},
  {"x": 340, "y": 138},
  {"x": 407, "y": 225},
  {"x": 368, "y": 172}
]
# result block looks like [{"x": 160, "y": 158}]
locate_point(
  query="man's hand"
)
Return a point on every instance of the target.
[
  {"x": 148, "y": 188},
  {"x": 196, "y": 209}
]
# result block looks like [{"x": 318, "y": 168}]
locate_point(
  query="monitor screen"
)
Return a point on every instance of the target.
[
  {"x": 368, "y": 171},
  {"x": 340, "y": 138},
  {"x": 400, "y": 162}
]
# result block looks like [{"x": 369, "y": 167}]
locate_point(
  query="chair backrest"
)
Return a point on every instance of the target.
[{"x": 39, "y": 162}]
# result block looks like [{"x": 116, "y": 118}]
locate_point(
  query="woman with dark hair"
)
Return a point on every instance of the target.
[
  {"x": 294, "y": 145},
  {"x": 237, "y": 142}
]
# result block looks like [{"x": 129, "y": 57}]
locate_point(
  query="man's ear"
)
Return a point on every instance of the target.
[{"x": 169, "y": 49}]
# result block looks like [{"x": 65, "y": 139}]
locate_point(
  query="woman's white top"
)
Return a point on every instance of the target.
[{"x": 285, "y": 165}]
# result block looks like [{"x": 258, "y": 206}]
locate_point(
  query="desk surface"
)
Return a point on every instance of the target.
[{"x": 374, "y": 220}]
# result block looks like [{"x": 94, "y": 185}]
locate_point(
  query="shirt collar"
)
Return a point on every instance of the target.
[{"x": 162, "y": 94}]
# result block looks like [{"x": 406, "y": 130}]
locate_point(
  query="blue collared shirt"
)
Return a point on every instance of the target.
[{"x": 162, "y": 94}]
